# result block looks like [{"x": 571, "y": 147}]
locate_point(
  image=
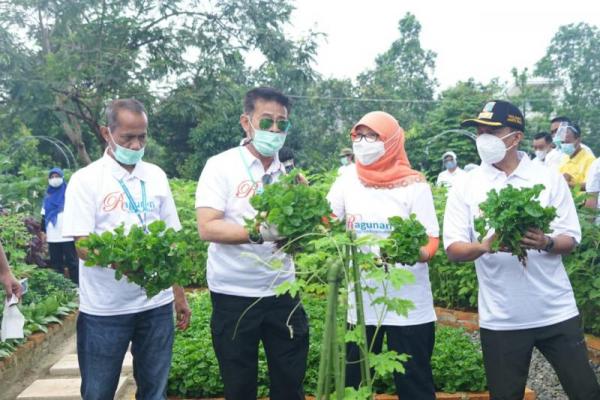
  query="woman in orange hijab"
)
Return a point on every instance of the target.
[{"x": 383, "y": 185}]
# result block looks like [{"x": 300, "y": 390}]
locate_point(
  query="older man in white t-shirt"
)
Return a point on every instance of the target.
[
  {"x": 241, "y": 282},
  {"x": 119, "y": 189},
  {"x": 520, "y": 308}
]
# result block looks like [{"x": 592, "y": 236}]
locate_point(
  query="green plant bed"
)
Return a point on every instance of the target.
[
  {"x": 457, "y": 361},
  {"x": 50, "y": 298}
]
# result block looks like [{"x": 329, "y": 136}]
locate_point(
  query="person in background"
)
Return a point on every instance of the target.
[
  {"x": 384, "y": 185},
  {"x": 346, "y": 159},
  {"x": 558, "y": 127},
  {"x": 9, "y": 283},
  {"x": 543, "y": 147},
  {"x": 578, "y": 161},
  {"x": 114, "y": 314},
  {"x": 451, "y": 171},
  {"x": 520, "y": 308},
  {"x": 245, "y": 308},
  {"x": 62, "y": 249}
]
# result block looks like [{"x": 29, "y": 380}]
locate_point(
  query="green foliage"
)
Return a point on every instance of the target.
[
  {"x": 583, "y": 268},
  {"x": 50, "y": 297},
  {"x": 298, "y": 211},
  {"x": 404, "y": 242},
  {"x": 14, "y": 237},
  {"x": 511, "y": 212},
  {"x": 155, "y": 260},
  {"x": 184, "y": 195},
  {"x": 457, "y": 362}
]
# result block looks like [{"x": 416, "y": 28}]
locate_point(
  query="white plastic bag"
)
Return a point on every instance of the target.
[{"x": 12, "y": 320}]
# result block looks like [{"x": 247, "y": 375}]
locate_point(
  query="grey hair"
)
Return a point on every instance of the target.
[{"x": 113, "y": 108}]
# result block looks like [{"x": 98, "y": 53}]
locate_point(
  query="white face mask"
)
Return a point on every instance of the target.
[
  {"x": 541, "y": 154},
  {"x": 55, "y": 182},
  {"x": 367, "y": 153},
  {"x": 492, "y": 149}
]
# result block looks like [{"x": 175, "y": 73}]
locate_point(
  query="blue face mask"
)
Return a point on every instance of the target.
[
  {"x": 568, "y": 148},
  {"x": 268, "y": 143},
  {"x": 124, "y": 155},
  {"x": 344, "y": 160},
  {"x": 450, "y": 164}
]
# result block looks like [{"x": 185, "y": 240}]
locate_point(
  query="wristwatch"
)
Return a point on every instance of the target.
[
  {"x": 550, "y": 244},
  {"x": 255, "y": 237}
]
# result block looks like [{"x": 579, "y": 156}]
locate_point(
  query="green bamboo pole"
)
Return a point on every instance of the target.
[
  {"x": 341, "y": 357},
  {"x": 360, "y": 318},
  {"x": 325, "y": 365}
]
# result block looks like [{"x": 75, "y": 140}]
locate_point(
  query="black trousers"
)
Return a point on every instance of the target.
[
  {"x": 63, "y": 254},
  {"x": 507, "y": 355},
  {"x": 417, "y": 341},
  {"x": 238, "y": 324}
]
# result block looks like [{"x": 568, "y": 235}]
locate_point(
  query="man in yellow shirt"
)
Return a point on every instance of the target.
[{"x": 576, "y": 166}]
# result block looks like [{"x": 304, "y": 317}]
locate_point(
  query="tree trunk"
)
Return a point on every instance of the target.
[{"x": 72, "y": 129}]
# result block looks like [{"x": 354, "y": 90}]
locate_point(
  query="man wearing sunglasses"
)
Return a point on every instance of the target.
[{"x": 240, "y": 278}]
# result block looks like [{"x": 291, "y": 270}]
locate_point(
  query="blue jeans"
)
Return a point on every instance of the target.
[{"x": 102, "y": 343}]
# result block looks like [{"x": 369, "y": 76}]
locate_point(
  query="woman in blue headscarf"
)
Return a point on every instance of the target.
[{"x": 62, "y": 249}]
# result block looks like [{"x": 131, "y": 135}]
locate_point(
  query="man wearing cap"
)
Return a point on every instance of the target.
[
  {"x": 576, "y": 165},
  {"x": 452, "y": 171},
  {"x": 520, "y": 308},
  {"x": 346, "y": 159}
]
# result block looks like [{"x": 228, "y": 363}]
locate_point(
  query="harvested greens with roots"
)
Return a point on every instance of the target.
[
  {"x": 155, "y": 260},
  {"x": 510, "y": 213}
]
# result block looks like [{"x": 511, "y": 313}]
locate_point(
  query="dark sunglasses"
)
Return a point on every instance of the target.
[{"x": 282, "y": 124}]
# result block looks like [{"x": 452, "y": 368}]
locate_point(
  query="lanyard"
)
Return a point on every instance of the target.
[
  {"x": 260, "y": 189},
  {"x": 132, "y": 203}
]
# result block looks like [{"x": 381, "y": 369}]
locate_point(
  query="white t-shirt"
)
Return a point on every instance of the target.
[
  {"x": 226, "y": 184},
  {"x": 554, "y": 159},
  {"x": 95, "y": 202},
  {"x": 54, "y": 231},
  {"x": 592, "y": 182},
  {"x": 366, "y": 211},
  {"x": 447, "y": 178},
  {"x": 512, "y": 296}
]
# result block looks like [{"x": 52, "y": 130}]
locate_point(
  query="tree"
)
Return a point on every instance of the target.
[
  {"x": 573, "y": 60},
  {"x": 402, "y": 73},
  {"x": 88, "y": 52},
  {"x": 424, "y": 144}
]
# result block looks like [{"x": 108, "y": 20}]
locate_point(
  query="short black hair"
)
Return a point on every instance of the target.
[
  {"x": 560, "y": 119},
  {"x": 543, "y": 135},
  {"x": 573, "y": 127},
  {"x": 113, "y": 108},
  {"x": 264, "y": 93}
]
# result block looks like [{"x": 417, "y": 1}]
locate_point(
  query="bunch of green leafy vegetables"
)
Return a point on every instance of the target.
[
  {"x": 154, "y": 260},
  {"x": 298, "y": 211},
  {"x": 403, "y": 244},
  {"x": 511, "y": 212}
]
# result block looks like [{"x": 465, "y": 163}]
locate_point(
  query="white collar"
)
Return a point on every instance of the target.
[
  {"x": 119, "y": 172},
  {"x": 523, "y": 170}
]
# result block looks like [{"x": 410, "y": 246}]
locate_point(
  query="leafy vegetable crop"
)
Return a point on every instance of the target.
[
  {"x": 511, "y": 212},
  {"x": 155, "y": 260},
  {"x": 296, "y": 210},
  {"x": 405, "y": 241}
]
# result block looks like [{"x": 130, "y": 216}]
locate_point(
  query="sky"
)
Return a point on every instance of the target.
[{"x": 475, "y": 39}]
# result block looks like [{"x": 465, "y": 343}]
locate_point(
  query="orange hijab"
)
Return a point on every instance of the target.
[{"x": 393, "y": 168}]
